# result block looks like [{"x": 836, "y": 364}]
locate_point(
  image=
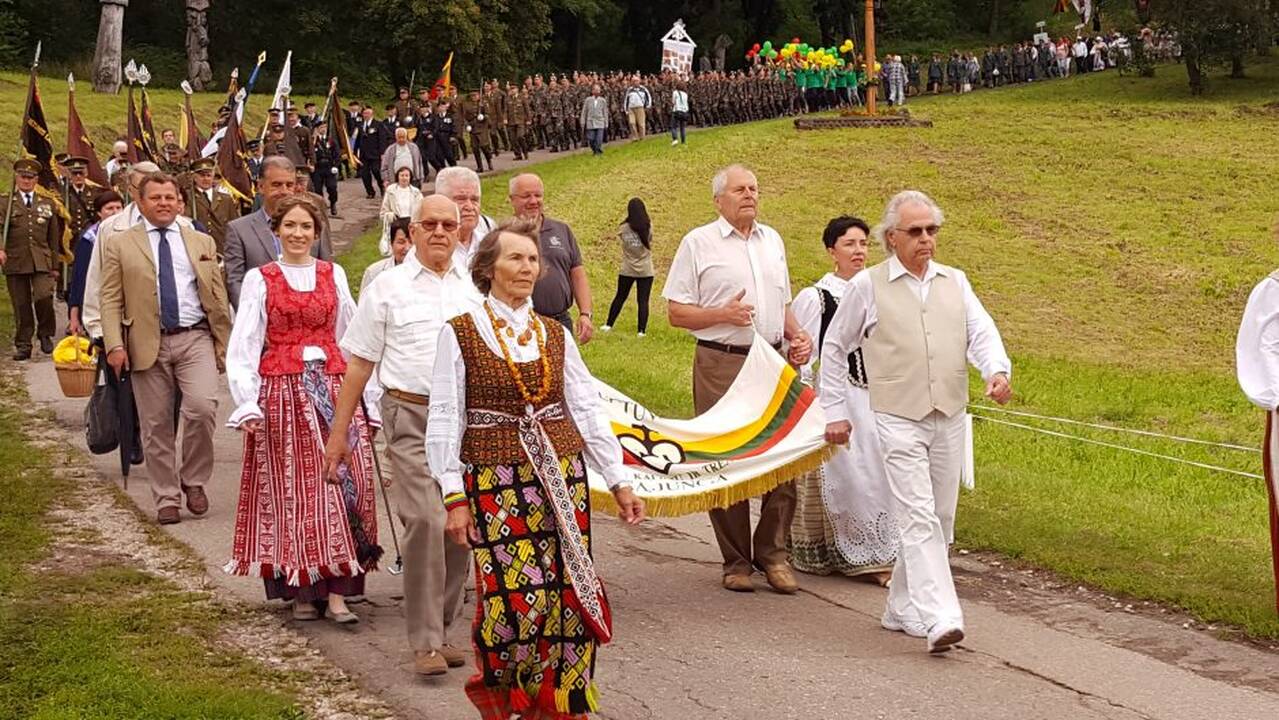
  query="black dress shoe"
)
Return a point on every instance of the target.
[
  {"x": 21, "y": 355},
  {"x": 46, "y": 345}
]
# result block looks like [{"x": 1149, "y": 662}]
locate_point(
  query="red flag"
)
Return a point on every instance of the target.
[
  {"x": 195, "y": 142},
  {"x": 79, "y": 144},
  {"x": 445, "y": 81},
  {"x": 336, "y": 119}
]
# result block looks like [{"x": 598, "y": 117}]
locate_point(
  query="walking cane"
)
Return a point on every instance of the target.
[{"x": 397, "y": 567}]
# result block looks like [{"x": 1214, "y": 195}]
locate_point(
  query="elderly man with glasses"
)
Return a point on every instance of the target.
[
  {"x": 395, "y": 333},
  {"x": 918, "y": 324}
]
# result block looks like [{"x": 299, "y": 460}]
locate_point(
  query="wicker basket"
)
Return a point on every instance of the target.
[
  {"x": 77, "y": 378},
  {"x": 77, "y": 381}
]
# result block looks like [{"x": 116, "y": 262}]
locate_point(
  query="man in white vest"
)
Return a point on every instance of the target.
[{"x": 918, "y": 324}]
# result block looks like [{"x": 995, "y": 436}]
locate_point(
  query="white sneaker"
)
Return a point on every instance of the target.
[
  {"x": 639, "y": 334},
  {"x": 913, "y": 628},
  {"x": 674, "y": 143},
  {"x": 943, "y": 636},
  {"x": 606, "y": 328}
]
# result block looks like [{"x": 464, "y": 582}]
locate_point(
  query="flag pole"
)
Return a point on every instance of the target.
[{"x": 13, "y": 182}]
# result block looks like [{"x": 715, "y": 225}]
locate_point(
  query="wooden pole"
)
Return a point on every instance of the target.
[{"x": 871, "y": 87}]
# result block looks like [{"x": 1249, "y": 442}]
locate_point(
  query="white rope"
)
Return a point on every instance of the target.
[
  {"x": 1113, "y": 428},
  {"x": 1113, "y": 446}
]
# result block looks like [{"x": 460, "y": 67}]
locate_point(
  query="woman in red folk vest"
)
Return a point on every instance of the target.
[{"x": 311, "y": 541}]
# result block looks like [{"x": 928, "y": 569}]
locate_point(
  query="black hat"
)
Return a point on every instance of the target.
[
  {"x": 253, "y": 144},
  {"x": 26, "y": 166},
  {"x": 277, "y": 126},
  {"x": 61, "y": 159}
]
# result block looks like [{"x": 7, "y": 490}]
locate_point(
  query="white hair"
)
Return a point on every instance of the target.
[
  {"x": 510, "y": 185},
  {"x": 120, "y": 146},
  {"x": 720, "y": 181},
  {"x": 892, "y": 214},
  {"x": 450, "y": 178},
  {"x": 146, "y": 167}
]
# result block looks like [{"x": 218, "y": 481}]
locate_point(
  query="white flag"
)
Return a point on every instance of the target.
[{"x": 283, "y": 88}]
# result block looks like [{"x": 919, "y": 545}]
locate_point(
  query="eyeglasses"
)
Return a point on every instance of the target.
[
  {"x": 430, "y": 225},
  {"x": 918, "y": 232}
]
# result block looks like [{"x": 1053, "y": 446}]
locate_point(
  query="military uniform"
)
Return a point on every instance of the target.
[
  {"x": 31, "y": 263},
  {"x": 212, "y": 208},
  {"x": 479, "y": 126},
  {"x": 517, "y": 119}
]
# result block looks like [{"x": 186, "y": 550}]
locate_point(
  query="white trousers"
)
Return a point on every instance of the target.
[{"x": 923, "y": 461}]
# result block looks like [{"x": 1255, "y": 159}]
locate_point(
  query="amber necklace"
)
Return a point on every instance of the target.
[{"x": 538, "y": 332}]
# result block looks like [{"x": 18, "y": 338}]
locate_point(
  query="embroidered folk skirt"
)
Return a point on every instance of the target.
[
  {"x": 293, "y": 528},
  {"x": 843, "y": 511},
  {"x": 534, "y": 653}
]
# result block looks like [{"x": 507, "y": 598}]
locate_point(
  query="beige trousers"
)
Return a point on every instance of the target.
[
  {"x": 713, "y": 373},
  {"x": 635, "y": 118},
  {"x": 185, "y": 363},
  {"x": 434, "y": 567}
]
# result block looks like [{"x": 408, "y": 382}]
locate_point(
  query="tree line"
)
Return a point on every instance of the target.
[{"x": 373, "y": 44}]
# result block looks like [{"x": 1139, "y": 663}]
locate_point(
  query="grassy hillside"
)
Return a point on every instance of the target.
[{"x": 1113, "y": 226}]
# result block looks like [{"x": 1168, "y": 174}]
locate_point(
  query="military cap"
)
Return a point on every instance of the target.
[
  {"x": 61, "y": 159},
  {"x": 26, "y": 166},
  {"x": 277, "y": 126},
  {"x": 204, "y": 164},
  {"x": 253, "y": 144},
  {"x": 75, "y": 163}
]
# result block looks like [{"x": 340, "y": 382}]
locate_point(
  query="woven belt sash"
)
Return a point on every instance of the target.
[{"x": 546, "y": 465}]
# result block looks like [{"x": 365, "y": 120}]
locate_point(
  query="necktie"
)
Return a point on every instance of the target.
[
  {"x": 168, "y": 284},
  {"x": 26, "y": 199}
]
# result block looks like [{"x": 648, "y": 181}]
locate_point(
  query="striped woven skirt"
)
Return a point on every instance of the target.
[
  {"x": 535, "y": 655},
  {"x": 291, "y": 524}
]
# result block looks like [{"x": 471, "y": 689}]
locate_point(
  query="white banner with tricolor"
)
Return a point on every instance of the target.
[{"x": 767, "y": 429}]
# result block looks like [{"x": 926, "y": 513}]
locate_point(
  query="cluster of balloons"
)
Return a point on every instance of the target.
[{"x": 802, "y": 54}]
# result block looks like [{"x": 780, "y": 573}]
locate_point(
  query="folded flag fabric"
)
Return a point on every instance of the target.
[{"x": 766, "y": 430}]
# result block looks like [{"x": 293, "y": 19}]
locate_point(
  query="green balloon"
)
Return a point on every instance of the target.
[{"x": 768, "y": 45}]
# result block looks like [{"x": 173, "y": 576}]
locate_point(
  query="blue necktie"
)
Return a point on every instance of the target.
[{"x": 168, "y": 284}]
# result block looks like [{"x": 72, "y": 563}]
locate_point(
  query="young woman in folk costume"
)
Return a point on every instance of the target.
[
  {"x": 843, "y": 516},
  {"x": 514, "y": 419},
  {"x": 310, "y": 540}
]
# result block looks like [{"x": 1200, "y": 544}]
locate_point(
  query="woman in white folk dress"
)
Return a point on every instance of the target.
[{"x": 843, "y": 519}]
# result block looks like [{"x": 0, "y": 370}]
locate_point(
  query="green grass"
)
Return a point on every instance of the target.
[
  {"x": 1113, "y": 226},
  {"x": 84, "y": 635}
]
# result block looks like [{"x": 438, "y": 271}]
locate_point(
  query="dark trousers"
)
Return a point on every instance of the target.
[
  {"x": 679, "y": 121},
  {"x": 323, "y": 181},
  {"x": 644, "y": 285},
  {"x": 370, "y": 171},
  {"x": 595, "y": 136},
  {"x": 482, "y": 153},
  {"x": 32, "y": 298},
  {"x": 713, "y": 373}
]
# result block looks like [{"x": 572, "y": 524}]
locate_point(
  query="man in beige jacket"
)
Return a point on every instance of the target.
[{"x": 165, "y": 319}]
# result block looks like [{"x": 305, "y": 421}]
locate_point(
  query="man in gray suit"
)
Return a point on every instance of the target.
[{"x": 249, "y": 240}]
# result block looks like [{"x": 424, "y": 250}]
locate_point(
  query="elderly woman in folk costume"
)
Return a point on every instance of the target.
[
  {"x": 843, "y": 516},
  {"x": 311, "y": 541},
  {"x": 514, "y": 419}
]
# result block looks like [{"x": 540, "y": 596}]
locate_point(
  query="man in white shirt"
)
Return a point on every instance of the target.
[
  {"x": 917, "y": 323},
  {"x": 637, "y": 102},
  {"x": 1257, "y": 368},
  {"x": 119, "y": 159},
  {"x": 462, "y": 186},
  {"x": 729, "y": 281},
  {"x": 396, "y": 330}
]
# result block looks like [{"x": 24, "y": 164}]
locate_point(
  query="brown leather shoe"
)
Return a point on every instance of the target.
[
  {"x": 429, "y": 663},
  {"x": 453, "y": 656},
  {"x": 738, "y": 583},
  {"x": 168, "y": 516},
  {"x": 197, "y": 501},
  {"x": 782, "y": 579}
]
